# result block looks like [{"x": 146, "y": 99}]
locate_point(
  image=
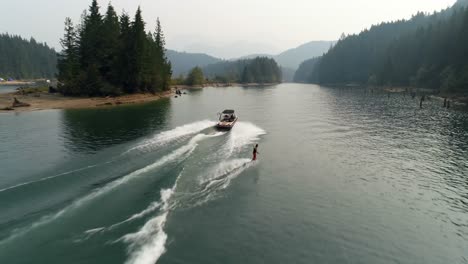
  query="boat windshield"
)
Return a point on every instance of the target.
[{"x": 227, "y": 117}]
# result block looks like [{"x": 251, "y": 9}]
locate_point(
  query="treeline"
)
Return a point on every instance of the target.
[
  {"x": 24, "y": 59},
  {"x": 257, "y": 70},
  {"x": 426, "y": 51},
  {"x": 110, "y": 55},
  {"x": 304, "y": 73}
]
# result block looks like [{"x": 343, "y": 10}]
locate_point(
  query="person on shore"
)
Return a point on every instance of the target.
[{"x": 255, "y": 152}]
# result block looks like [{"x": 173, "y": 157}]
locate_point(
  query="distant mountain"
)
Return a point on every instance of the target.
[
  {"x": 292, "y": 58},
  {"x": 183, "y": 62}
]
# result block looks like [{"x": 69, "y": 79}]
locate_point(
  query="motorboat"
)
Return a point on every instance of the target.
[{"x": 227, "y": 119}]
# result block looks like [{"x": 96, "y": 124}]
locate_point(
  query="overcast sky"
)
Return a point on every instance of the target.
[{"x": 224, "y": 28}]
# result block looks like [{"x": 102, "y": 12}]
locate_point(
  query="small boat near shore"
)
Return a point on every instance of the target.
[{"x": 227, "y": 119}]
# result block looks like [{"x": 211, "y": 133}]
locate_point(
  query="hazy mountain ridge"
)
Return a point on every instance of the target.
[
  {"x": 292, "y": 58},
  {"x": 289, "y": 60},
  {"x": 183, "y": 62}
]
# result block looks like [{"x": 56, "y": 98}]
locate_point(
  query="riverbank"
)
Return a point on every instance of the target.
[
  {"x": 17, "y": 83},
  {"x": 42, "y": 101}
]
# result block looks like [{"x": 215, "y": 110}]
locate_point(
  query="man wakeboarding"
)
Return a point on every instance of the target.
[{"x": 255, "y": 152}]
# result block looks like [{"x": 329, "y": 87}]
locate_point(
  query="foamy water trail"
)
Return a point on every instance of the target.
[
  {"x": 166, "y": 137},
  {"x": 179, "y": 154},
  {"x": 91, "y": 232},
  {"x": 213, "y": 182},
  {"x": 221, "y": 176},
  {"x": 242, "y": 134},
  {"x": 52, "y": 177},
  {"x": 148, "y": 244}
]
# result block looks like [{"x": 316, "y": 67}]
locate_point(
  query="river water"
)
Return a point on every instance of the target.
[
  {"x": 7, "y": 88},
  {"x": 343, "y": 176}
]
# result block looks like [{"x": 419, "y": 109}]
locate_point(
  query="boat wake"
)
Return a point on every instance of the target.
[
  {"x": 214, "y": 182},
  {"x": 52, "y": 177},
  {"x": 148, "y": 244},
  {"x": 169, "y": 136},
  {"x": 178, "y": 155},
  {"x": 242, "y": 135}
]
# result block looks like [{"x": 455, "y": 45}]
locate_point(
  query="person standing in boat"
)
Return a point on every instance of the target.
[{"x": 255, "y": 152}]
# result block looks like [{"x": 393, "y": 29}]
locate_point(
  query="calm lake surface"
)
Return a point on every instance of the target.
[
  {"x": 7, "y": 88},
  {"x": 342, "y": 177}
]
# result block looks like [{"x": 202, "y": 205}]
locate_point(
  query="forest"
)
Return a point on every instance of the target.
[
  {"x": 256, "y": 70},
  {"x": 110, "y": 55},
  {"x": 429, "y": 50},
  {"x": 26, "y": 59}
]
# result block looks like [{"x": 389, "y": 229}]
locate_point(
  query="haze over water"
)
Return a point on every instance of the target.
[{"x": 343, "y": 176}]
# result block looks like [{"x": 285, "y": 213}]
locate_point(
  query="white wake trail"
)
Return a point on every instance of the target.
[
  {"x": 243, "y": 134},
  {"x": 52, "y": 177},
  {"x": 178, "y": 154},
  {"x": 166, "y": 137},
  {"x": 148, "y": 244}
]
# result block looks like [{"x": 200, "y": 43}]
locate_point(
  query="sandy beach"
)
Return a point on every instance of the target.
[{"x": 44, "y": 100}]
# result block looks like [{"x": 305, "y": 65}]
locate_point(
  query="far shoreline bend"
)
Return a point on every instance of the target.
[{"x": 46, "y": 101}]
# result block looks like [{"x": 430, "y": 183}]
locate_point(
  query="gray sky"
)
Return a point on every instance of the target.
[{"x": 224, "y": 28}]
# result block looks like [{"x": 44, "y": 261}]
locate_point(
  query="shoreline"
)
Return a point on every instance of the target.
[
  {"x": 16, "y": 83},
  {"x": 457, "y": 98},
  {"x": 45, "y": 101}
]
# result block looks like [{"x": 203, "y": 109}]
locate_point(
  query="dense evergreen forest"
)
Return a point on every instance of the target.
[
  {"x": 24, "y": 59},
  {"x": 426, "y": 51},
  {"x": 257, "y": 70},
  {"x": 109, "y": 55},
  {"x": 304, "y": 73}
]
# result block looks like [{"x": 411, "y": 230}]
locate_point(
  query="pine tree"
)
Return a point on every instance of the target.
[
  {"x": 111, "y": 45},
  {"x": 195, "y": 77},
  {"x": 107, "y": 55},
  {"x": 137, "y": 52},
  {"x": 68, "y": 59},
  {"x": 91, "y": 41},
  {"x": 124, "y": 56}
]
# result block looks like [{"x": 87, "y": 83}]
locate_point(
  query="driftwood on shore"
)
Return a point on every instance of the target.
[{"x": 17, "y": 103}]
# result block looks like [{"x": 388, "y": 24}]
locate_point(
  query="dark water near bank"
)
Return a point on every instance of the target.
[
  {"x": 7, "y": 88},
  {"x": 343, "y": 177}
]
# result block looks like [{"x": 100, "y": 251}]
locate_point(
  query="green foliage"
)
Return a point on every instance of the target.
[
  {"x": 178, "y": 81},
  {"x": 33, "y": 90},
  {"x": 426, "y": 51},
  {"x": 108, "y": 55},
  {"x": 261, "y": 70},
  {"x": 195, "y": 77},
  {"x": 257, "y": 70},
  {"x": 305, "y": 70},
  {"x": 23, "y": 59}
]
